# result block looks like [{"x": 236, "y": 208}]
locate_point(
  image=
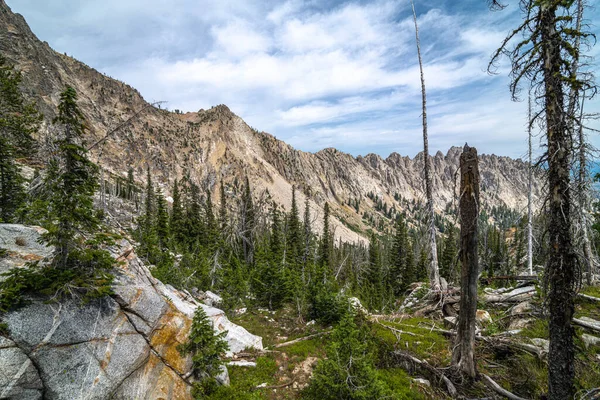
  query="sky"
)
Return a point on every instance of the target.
[{"x": 314, "y": 73}]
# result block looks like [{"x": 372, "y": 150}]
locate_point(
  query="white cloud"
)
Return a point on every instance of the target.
[
  {"x": 238, "y": 38},
  {"x": 313, "y": 73}
]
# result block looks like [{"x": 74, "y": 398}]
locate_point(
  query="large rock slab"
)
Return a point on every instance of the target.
[
  {"x": 19, "y": 378},
  {"x": 22, "y": 244},
  {"x": 121, "y": 347}
]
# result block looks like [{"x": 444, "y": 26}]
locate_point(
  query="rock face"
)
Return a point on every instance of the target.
[
  {"x": 214, "y": 145},
  {"x": 121, "y": 347},
  {"x": 22, "y": 245}
]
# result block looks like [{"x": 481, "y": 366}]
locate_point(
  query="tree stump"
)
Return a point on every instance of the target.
[{"x": 463, "y": 356}]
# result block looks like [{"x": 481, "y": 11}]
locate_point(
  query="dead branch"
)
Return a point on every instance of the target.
[
  {"x": 275, "y": 386},
  {"x": 398, "y": 332},
  {"x": 498, "y": 389},
  {"x": 302, "y": 339}
]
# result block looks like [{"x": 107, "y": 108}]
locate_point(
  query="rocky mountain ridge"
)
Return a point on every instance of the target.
[{"x": 215, "y": 144}]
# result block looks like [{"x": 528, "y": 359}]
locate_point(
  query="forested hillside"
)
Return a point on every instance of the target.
[{"x": 153, "y": 254}]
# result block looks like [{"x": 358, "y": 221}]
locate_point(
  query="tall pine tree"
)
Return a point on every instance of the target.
[
  {"x": 72, "y": 179},
  {"x": 18, "y": 121}
]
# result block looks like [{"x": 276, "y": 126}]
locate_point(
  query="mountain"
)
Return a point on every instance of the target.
[{"x": 215, "y": 144}]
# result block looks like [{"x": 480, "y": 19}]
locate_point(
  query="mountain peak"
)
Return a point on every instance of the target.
[{"x": 214, "y": 145}]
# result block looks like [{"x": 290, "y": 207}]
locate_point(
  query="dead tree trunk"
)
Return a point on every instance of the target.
[
  {"x": 463, "y": 356},
  {"x": 589, "y": 259},
  {"x": 434, "y": 272},
  {"x": 529, "y": 190},
  {"x": 582, "y": 176},
  {"x": 561, "y": 267}
]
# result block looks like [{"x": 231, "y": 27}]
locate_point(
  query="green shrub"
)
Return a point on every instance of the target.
[
  {"x": 88, "y": 276},
  {"x": 206, "y": 350},
  {"x": 348, "y": 372},
  {"x": 327, "y": 305}
]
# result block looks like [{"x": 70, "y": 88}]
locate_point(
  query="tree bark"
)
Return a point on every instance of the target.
[
  {"x": 434, "y": 273},
  {"x": 464, "y": 351},
  {"x": 561, "y": 263}
]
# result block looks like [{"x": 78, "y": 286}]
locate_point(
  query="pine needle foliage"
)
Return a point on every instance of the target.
[
  {"x": 206, "y": 349},
  {"x": 349, "y": 371},
  {"x": 18, "y": 121}
]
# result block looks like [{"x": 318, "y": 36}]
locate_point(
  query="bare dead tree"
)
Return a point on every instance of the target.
[
  {"x": 529, "y": 190},
  {"x": 434, "y": 272},
  {"x": 544, "y": 57},
  {"x": 589, "y": 259},
  {"x": 576, "y": 127},
  {"x": 463, "y": 356}
]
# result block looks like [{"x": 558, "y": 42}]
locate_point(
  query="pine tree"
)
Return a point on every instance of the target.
[
  {"x": 271, "y": 285},
  {"x": 308, "y": 239},
  {"x": 72, "y": 179},
  {"x": 130, "y": 185},
  {"x": 421, "y": 270},
  {"x": 177, "y": 221},
  {"x": 206, "y": 349},
  {"x": 162, "y": 223},
  {"x": 18, "y": 121},
  {"x": 398, "y": 258},
  {"x": 193, "y": 220},
  {"x": 547, "y": 55},
  {"x": 410, "y": 275},
  {"x": 212, "y": 228},
  {"x": 147, "y": 223},
  {"x": 325, "y": 243},
  {"x": 348, "y": 371},
  {"x": 150, "y": 204},
  {"x": 375, "y": 276},
  {"x": 449, "y": 254},
  {"x": 294, "y": 236},
  {"x": 223, "y": 210},
  {"x": 247, "y": 224}
]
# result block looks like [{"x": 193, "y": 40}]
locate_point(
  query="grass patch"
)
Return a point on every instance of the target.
[
  {"x": 429, "y": 345},
  {"x": 591, "y": 291},
  {"x": 272, "y": 326},
  {"x": 244, "y": 380},
  {"x": 402, "y": 385},
  {"x": 527, "y": 375},
  {"x": 537, "y": 329},
  {"x": 313, "y": 347},
  {"x": 588, "y": 308},
  {"x": 587, "y": 369}
]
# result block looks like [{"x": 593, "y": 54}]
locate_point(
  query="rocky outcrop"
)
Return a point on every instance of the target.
[
  {"x": 121, "y": 347},
  {"x": 22, "y": 245}
]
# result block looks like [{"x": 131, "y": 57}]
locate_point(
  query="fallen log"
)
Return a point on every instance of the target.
[
  {"x": 588, "y": 323},
  {"x": 587, "y": 297},
  {"x": 515, "y": 296},
  {"x": 302, "y": 339},
  {"x": 522, "y": 278},
  {"x": 490, "y": 340},
  {"x": 498, "y": 389}
]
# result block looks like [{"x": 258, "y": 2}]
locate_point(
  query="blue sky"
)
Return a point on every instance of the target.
[{"x": 316, "y": 74}]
